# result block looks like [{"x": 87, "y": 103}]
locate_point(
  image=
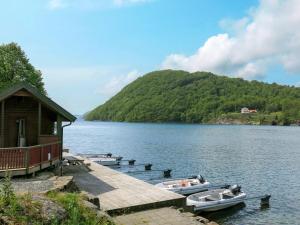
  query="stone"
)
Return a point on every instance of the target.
[
  {"x": 202, "y": 219},
  {"x": 50, "y": 210},
  {"x": 91, "y": 198},
  {"x": 89, "y": 205},
  {"x": 212, "y": 223},
  {"x": 64, "y": 183},
  {"x": 4, "y": 220}
]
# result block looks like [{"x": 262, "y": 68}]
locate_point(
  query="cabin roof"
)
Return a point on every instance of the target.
[{"x": 4, "y": 94}]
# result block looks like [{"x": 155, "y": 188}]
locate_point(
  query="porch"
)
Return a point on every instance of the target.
[{"x": 27, "y": 160}]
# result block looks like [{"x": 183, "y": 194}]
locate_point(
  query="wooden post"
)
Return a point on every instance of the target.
[
  {"x": 59, "y": 126},
  {"x": 27, "y": 158},
  {"x": 2, "y": 122},
  {"x": 41, "y": 156},
  {"x": 39, "y": 121}
]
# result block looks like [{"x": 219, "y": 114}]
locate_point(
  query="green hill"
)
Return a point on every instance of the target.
[{"x": 201, "y": 97}]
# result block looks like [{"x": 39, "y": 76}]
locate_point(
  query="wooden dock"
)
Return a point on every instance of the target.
[{"x": 120, "y": 193}]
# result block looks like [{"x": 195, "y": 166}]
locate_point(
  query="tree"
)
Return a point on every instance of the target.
[{"x": 15, "y": 68}]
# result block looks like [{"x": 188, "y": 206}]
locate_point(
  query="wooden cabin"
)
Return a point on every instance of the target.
[{"x": 31, "y": 130}]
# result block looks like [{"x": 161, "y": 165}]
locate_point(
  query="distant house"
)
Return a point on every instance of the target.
[
  {"x": 246, "y": 110},
  {"x": 31, "y": 128},
  {"x": 252, "y": 111}
]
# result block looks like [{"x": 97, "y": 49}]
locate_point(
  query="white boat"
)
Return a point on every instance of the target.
[
  {"x": 217, "y": 199},
  {"x": 106, "y": 161},
  {"x": 186, "y": 186}
]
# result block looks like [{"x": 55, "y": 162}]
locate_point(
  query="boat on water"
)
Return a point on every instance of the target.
[
  {"x": 214, "y": 200},
  {"x": 104, "y": 159},
  {"x": 186, "y": 186}
]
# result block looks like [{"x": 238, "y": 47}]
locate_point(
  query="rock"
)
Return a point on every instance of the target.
[
  {"x": 4, "y": 220},
  {"x": 89, "y": 205},
  {"x": 212, "y": 223},
  {"x": 50, "y": 210},
  {"x": 202, "y": 220},
  {"x": 91, "y": 198},
  {"x": 64, "y": 183}
]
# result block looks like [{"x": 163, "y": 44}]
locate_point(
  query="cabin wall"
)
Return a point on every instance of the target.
[
  {"x": 46, "y": 139},
  {"x": 16, "y": 108},
  {"x": 25, "y": 107}
]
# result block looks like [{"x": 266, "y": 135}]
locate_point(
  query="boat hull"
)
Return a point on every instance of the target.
[
  {"x": 216, "y": 205},
  {"x": 186, "y": 190}
]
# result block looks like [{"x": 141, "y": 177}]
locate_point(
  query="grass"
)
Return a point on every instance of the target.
[
  {"x": 78, "y": 213},
  {"x": 23, "y": 210}
]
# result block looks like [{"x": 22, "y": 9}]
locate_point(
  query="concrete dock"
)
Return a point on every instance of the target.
[{"x": 120, "y": 193}]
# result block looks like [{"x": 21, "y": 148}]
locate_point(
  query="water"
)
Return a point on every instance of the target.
[{"x": 263, "y": 159}]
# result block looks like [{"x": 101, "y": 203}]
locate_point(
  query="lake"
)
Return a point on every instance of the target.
[{"x": 262, "y": 159}]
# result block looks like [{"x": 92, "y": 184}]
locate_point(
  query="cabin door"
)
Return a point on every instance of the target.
[
  {"x": 21, "y": 128},
  {"x": 16, "y": 132}
]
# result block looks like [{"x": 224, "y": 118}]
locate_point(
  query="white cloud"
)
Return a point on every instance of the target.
[
  {"x": 268, "y": 35},
  {"x": 56, "y": 4},
  {"x": 126, "y": 2},
  {"x": 91, "y": 4},
  {"x": 77, "y": 88},
  {"x": 117, "y": 83}
]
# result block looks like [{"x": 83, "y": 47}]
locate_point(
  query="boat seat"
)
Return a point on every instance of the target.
[
  {"x": 227, "y": 196},
  {"x": 193, "y": 183},
  {"x": 211, "y": 198}
]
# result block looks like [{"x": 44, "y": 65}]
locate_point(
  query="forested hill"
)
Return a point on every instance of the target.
[{"x": 201, "y": 97}]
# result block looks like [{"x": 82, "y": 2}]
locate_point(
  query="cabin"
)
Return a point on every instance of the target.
[{"x": 31, "y": 130}]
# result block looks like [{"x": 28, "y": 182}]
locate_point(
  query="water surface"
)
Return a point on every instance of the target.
[{"x": 263, "y": 159}]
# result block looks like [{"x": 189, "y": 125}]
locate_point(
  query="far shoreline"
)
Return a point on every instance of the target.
[{"x": 186, "y": 123}]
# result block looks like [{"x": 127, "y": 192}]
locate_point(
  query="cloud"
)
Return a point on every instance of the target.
[
  {"x": 268, "y": 35},
  {"x": 91, "y": 4},
  {"x": 126, "y": 2},
  {"x": 77, "y": 88},
  {"x": 56, "y": 4},
  {"x": 117, "y": 83}
]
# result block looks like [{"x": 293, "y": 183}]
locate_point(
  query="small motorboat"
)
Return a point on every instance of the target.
[
  {"x": 104, "y": 159},
  {"x": 217, "y": 199},
  {"x": 186, "y": 186}
]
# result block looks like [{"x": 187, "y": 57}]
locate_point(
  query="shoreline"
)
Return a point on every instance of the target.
[{"x": 186, "y": 123}]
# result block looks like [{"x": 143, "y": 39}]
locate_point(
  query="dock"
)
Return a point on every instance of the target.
[{"x": 120, "y": 193}]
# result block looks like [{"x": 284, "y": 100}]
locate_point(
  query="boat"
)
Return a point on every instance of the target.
[
  {"x": 214, "y": 200},
  {"x": 104, "y": 159},
  {"x": 185, "y": 186}
]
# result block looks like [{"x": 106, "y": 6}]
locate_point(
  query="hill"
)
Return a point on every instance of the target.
[{"x": 201, "y": 97}]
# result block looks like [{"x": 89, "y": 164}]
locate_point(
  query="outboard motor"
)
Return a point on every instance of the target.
[
  {"x": 235, "y": 189},
  {"x": 201, "y": 179}
]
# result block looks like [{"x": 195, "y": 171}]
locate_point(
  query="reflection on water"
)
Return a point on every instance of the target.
[{"x": 263, "y": 159}]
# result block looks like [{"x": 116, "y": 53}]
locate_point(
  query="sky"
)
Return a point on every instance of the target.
[{"x": 88, "y": 50}]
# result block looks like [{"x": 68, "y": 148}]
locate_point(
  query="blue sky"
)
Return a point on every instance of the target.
[{"x": 89, "y": 49}]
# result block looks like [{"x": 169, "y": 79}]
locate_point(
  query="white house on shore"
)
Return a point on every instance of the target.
[{"x": 246, "y": 110}]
